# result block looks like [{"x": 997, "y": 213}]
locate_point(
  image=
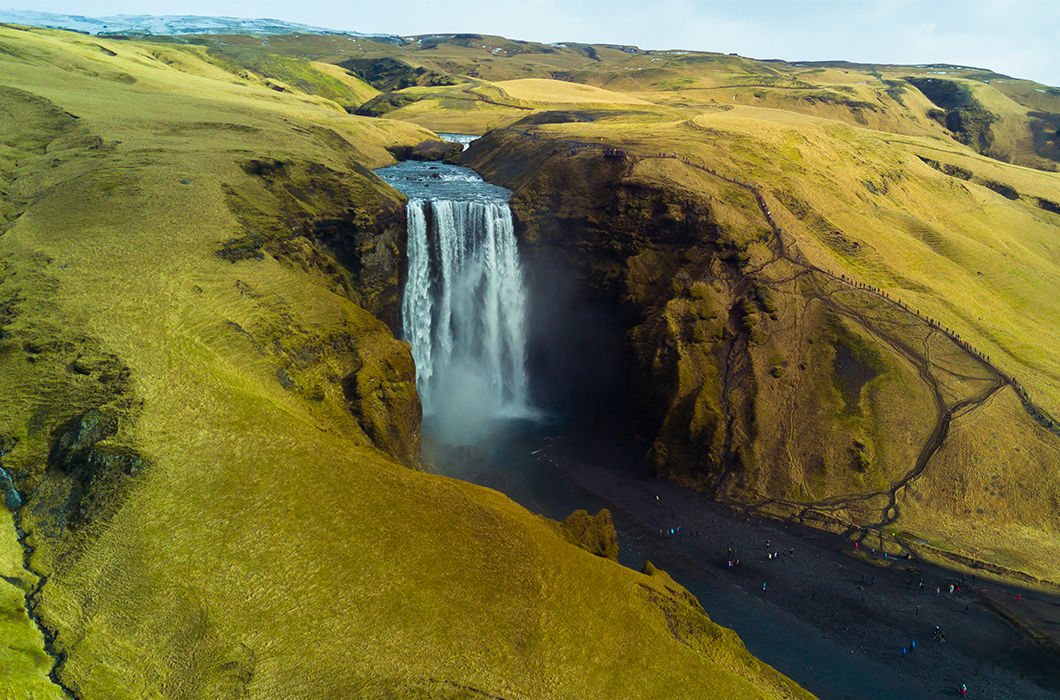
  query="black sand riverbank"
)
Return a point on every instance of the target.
[{"x": 833, "y": 618}]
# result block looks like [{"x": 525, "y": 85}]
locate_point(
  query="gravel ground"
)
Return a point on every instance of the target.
[{"x": 833, "y": 618}]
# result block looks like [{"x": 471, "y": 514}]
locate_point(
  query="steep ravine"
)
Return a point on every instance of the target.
[
  {"x": 32, "y": 601},
  {"x": 757, "y": 378},
  {"x": 216, "y": 440}
]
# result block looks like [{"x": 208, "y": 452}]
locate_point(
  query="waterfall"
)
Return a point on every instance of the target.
[{"x": 464, "y": 306}]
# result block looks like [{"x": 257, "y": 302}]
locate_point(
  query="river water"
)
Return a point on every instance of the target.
[{"x": 811, "y": 613}]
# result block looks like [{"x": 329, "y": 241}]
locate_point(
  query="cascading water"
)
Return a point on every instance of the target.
[{"x": 464, "y": 304}]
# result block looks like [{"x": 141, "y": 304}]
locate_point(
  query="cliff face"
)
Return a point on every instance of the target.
[{"x": 759, "y": 378}]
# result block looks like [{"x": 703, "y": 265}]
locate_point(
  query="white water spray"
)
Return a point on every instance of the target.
[{"x": 464, "y": 307}]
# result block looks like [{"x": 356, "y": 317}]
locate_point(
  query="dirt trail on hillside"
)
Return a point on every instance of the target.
[{"x": 870, "y": 308}]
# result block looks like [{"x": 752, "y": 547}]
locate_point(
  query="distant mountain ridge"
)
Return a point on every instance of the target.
[{"x": 173, "y": 25}]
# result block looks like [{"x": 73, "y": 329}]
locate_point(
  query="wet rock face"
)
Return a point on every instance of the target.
[
  {"x": 336, "y": 222},
  {"x": 428, "y": 150}
]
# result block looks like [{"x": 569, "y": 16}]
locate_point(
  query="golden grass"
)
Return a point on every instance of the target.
[
  {"x": 454, "y": 110},
  {"x": 269, "y": 549},
  {"x": 362, "y": 90},
  {"x": 963, "y": 501},
  {"x": 558, "y": 91}
]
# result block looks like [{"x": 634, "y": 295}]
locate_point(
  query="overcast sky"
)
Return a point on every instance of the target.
[{"x": 1017, "y": 37}]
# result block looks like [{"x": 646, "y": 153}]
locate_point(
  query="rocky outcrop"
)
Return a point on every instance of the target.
[
  {"x": 428, "y": 150},
  {"x": 348, "y": 227},
  {"x": 960, "y": 111},
  {"x": 341, "y": 223},
  {"x": 387, "y": 74},
  {"x": 593, "y": 533},
  {"x": 381, "y": 390}
]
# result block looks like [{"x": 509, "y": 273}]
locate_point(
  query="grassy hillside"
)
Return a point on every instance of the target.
[
  {"x": 1006, "y": 118},
  {"x": 213, "y": 435},
  {"x": 769, "y": 380},
  {"x": 559, "y": 92},
  {"x": 935, "y": 184}
]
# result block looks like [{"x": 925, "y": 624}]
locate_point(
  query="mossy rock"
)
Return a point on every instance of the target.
[{"x": 593, "y": 533}]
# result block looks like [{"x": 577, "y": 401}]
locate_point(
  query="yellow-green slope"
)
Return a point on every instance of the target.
[{"x": 199, "y": 439}]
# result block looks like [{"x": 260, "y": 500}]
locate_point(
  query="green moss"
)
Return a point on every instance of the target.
[
  {"x": 294, "y": 71},
  {"x": 765, "y": 299},
  {"x": 593, "y": 533}
]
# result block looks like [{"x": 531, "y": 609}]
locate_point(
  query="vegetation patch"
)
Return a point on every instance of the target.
[
  {"x": 310, "y": 215},
  {"x": 427, "y": 150},
  {"x": 390, "y": 74},
  {"x": 1003, "y": 190},
  {"x": 245, "y": 58},
  {"x": 593, "y": 533},
  {"x": 1049, "y": 205},
  {"x": 248, "y": 247},
  {"x": 856, "y": 363},
  {"x": 951, "y": 170},
  {"x": 1045, "y": 129},
  {"x": 382, "y": 104},
  {"x": 89, "y": 476},
  {"x": 963, "y": 114}
]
